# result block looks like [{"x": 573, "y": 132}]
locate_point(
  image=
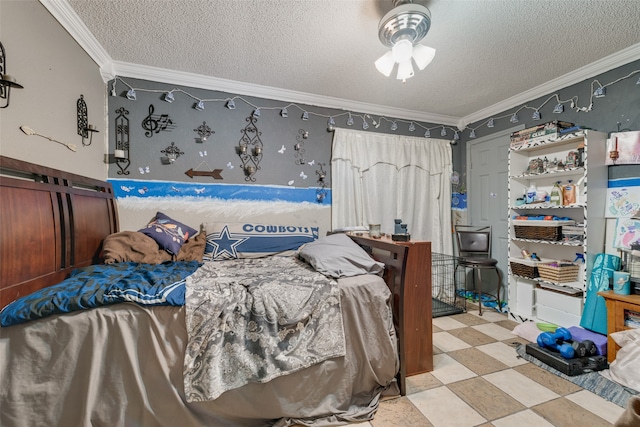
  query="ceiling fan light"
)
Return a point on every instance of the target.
[
  {"x": 385, "y": 64},
  {"x": 423, "y": 55},
  {"x": 405, "y": 70},
  {"x": 402, "y": 51}
]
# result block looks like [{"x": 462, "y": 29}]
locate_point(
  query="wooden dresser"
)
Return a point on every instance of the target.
[
  {"x": 415, "y": 304},
  {"x": 617, "y": 305}
]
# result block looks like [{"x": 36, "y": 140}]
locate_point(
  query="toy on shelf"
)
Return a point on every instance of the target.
[{"x": 400, "y": 233}]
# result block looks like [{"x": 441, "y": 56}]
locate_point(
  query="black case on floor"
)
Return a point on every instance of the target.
[{"x": 571, "y": 367}]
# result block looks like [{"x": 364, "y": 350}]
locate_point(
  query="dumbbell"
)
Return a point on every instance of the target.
[
  {"x": 556, "y": 341},
  {"x": 584, "y": 348}
]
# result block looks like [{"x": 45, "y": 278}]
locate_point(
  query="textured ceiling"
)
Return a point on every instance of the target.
[{"x": 488, "y": 51}]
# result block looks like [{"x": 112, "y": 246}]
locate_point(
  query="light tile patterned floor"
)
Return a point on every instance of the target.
[{"x": 478, "y": 380}]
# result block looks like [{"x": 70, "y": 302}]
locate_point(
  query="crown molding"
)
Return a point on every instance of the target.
[
  {"x": 623, "y": 57},
  {"x": 125, "y": 69},
  {"x": 70, "y": 21}
]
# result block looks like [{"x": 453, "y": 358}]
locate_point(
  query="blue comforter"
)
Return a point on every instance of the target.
[{"x": 98, "y": 285}]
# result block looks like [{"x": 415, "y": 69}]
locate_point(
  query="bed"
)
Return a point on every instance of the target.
[{"x": 124, "y": 363}]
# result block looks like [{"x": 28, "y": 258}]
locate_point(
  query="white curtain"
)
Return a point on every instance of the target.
[{"x": 380, "y": 177}]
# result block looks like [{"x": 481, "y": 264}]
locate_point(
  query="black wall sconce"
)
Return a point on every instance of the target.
[
  {"x": 172, "y": 152},
  {"x": 321, "y": 192},
  {"x": 250, "y": 148},
  {"x": 299, "y": 147},
  {"x": 204, "y": 132},
  {"x": 6, "y": 81},
  {"x": 121, "y": 152},
  {"x": 85, "y": 130}
]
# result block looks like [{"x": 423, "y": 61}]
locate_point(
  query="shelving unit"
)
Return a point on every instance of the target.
[{"x": 556, "y": 301}]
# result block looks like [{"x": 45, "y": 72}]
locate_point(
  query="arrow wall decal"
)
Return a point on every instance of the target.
[{"x": 214, "y": 173}]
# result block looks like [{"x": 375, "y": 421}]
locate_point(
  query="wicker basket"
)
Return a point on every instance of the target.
[
  {"x": 561, "y": 273},
  {"x": 523, "y": 270},
  {"x": 538, "y": 232}
]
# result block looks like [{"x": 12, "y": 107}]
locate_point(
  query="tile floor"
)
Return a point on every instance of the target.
[{"x": 478, "y": 380}]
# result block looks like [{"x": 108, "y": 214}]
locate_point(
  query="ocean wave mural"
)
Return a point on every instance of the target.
[{"x": 124, "y": 188}]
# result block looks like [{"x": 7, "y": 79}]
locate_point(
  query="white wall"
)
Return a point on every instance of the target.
[{"x": 54, "y": 71}]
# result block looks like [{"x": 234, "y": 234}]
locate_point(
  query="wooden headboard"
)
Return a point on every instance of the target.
[{"x": 50, "y": 223}]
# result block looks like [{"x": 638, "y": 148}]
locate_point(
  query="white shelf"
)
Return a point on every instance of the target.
[
  {"x": 549, "y": 242},
  {"x": 551, "y": 174},
  {"x": 544, "y": 144},
  {"x": 542, "y": 222},
  {"x": 534, "y": 206},
  {"x": 535, "y": 298}
]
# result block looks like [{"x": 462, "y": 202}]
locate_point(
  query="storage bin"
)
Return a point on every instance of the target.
[
  {"x": 524, "y": 270},
  {"x": 540, "y": 229},
  {"x": 559, "y": 301},
  {"x": 538, "y": 232},
  {"x": 558, "y": 317},
  {"x": 560, "y": 273}
]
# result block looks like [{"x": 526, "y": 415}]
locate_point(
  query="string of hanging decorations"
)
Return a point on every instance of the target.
[{"x": 598, "y": 90}]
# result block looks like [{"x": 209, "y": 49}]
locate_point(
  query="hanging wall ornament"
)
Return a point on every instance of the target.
[
  {"x": 203, "y": 131},
  {"x": 156, "y": 123},
  {"x": 171, "y": 153},
  {"x": 250, "y": 148},
  {"x": 121, "y": 152},
  {"x": 321, "y": 192},
  {"x": 299, "y": 147}
]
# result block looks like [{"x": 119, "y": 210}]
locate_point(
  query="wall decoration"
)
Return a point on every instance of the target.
[
  {"x": 627, "y": 232},
  {"x": 598, "y": 90},
  {"x": 121, "y": 152},
  {"x": 85, "y": 130},
  {"x": 214, "y": 173},
  {"x": 172, "y": 152},
  {"x": 626, "y": 146},
  {"x": 299, "y": 147},
  {"x": 321, "y": 193},
  {"x": 250, "y": 148},
  {"x": 282, "y": 149},
  {"x": 203, "y": 132},
  {"x": 156, "y": 123},
  {"x": 6, "y": 81},
  {"x": 622, "y": 201},
  {"x": 28, "y": 131}
]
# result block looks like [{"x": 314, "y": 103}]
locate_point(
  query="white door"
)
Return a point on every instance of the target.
[{"x": 487, "y": 183}]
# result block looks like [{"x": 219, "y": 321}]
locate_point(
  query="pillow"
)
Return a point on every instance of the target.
[
  {"x": 169, "y": 234},
  {"x": 339, "y": 256},
  {"x": 134, "y": 246},
  {"x": 249, "y": 240}
]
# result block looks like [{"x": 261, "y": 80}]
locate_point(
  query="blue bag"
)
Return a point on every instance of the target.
[{"x": 594, "y": 315}]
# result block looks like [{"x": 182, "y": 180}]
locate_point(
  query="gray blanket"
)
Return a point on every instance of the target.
[{"x": 253, "y": 320}]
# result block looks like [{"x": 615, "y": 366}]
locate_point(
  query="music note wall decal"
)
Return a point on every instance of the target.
[{"x": 156, "y": 123}]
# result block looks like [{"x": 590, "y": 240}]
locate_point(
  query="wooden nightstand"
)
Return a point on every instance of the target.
[{"x": 616, "y": 306}]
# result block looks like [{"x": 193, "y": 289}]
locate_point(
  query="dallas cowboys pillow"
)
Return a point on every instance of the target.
[{"x": 254, "y": 240}]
